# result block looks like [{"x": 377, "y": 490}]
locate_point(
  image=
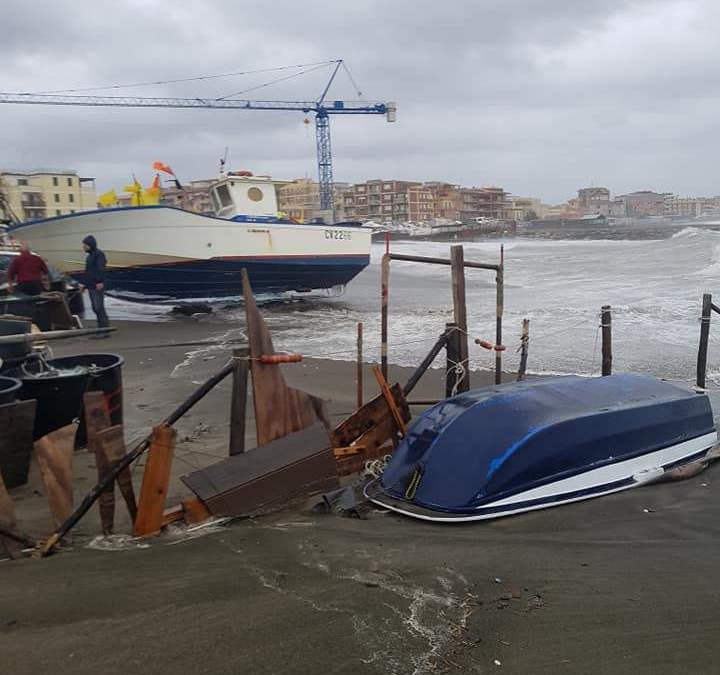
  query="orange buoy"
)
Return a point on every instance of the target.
[
  {"x": 280, "y": 358},
  {"x": 484, "y": 343}
]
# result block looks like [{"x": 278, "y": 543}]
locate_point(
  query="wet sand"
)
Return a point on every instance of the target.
[{"x": 613, "y": 585}]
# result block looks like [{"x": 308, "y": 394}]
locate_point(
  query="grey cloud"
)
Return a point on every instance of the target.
[{"x": 538, "y": 96}]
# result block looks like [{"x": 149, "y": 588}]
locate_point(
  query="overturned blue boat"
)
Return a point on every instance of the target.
[{"x": 529, "y": 445}]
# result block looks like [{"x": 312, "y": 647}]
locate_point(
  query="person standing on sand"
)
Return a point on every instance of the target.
[
  {"x": 27, "y": 272},
  {"x": 95, "y": 279}
]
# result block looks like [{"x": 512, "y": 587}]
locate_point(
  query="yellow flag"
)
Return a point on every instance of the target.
[
  {"x": 108, "y": 198},
  {"x": 136, "y": 190}
]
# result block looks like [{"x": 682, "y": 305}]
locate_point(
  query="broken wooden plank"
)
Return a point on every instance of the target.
[
  {"x": 155, "y": 482},
  {"x": 279, "y": 409},
  {"x": 54, "y": 453},
  {"x": 390, "y": 400},
  {"x": 111, "y": 443},
  {"x": 238, "y": 402},
  {"x": 371, "y": 415},
  {"x": 16, "y": 441},
  {"x": 267, "y": 477},
  {"x": 194, "y": 511}
]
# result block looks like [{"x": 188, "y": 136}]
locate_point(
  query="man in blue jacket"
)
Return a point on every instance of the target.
[{"x": 95, "y": 279}]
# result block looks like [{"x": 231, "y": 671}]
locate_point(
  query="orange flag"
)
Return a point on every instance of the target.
[{"x": 159, "y": 166}]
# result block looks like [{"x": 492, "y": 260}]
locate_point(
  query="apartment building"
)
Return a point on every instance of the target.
[
  {"x": 299, "y": 199},
  {"x": 447, "y": 200},
  {"x": 194, "y": 196},
  {"x": 594, "y": 200},
  {"x": 484, "y": 202},
  {"x": 644, "y": 203},
  {"x": 389, "y": 201},
  {"x": 44, "y": 193}
]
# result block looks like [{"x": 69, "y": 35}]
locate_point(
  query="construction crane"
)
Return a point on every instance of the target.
[{"x": 322, "y": 107}]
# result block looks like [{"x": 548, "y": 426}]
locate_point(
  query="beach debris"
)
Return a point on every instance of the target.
[
  {"x": 497, "y": 662},
  {"x": 54, "y": 453},
  {"x": 11, "y": 540},
  {"x": 116, "y": 542},
  {"x": 269, "y": 476},
  {"x": 191, "y": 309},
  {"x": 107, "y": 443}
]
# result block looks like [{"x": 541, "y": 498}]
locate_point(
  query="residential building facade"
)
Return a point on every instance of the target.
[
  {"x": 44, "y": 193},
  {"x": 388, "y": 201},
  {"x": 483, "y": 202},
  {"x": 644, "y": 203},
  {"x": 594, "y": 200},
  {"x": 194, "y": 196}
]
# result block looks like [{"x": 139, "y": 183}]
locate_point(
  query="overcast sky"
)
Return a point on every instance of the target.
[{"x": 537, "y": 96}]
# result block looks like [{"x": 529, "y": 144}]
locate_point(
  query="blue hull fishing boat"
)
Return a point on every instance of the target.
[{"x": 519, "y": 447}]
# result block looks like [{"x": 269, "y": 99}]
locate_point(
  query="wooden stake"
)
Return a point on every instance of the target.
[
  {"x": 97, "y": 418},
  {"x": 384, "y": 290},
  {"x": 452, "y": 357},
  {"x": 499, "y": 305},
  {"x": 524, "y": 342},
  {"x": 238, "y": 403},
  {"x": 457, "y": 258},
  {"x": 606, "y": 325},
  {"x": 359, "y": 366},
  {"x": 111, "y": 442},
  {"x": 704, "y": 335},
  {"x": 8, "y": 524},
  {"x": 155, "y": 482}
]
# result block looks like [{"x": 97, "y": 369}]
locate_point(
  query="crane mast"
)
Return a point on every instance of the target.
[{"x": 320, "y": 107}]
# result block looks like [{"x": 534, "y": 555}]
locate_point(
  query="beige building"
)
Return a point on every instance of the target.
[
  {"x": 45, "y": 193},
  {"x": 523, "y": 208},
  {"x": 194, "y": 196},
  {"x": 299, "y": 199}
]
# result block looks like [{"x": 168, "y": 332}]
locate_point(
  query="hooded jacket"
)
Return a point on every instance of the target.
[{"x": 94, "y": 263}]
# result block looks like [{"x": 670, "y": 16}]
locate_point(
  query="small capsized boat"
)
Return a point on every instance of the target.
[{"x": 530, "y": 445}]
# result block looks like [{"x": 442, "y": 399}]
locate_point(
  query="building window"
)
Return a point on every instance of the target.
[
  {"x": 57, "y": 212},
  {"x": 55, "y": 181},
  {"x": 72, "y": 199},
  {"x": 57, "y": 198},
  {"x": 22, "y": 181},
  {"x": 72, "y": 210},
  {"x": 69, "y": 182}
]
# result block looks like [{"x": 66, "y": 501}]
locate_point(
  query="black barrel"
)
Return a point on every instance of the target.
[
  {"x": 12, "y": 355},
  {"x": 9, "y": 388},
  {"x": 60, "y": 398}
]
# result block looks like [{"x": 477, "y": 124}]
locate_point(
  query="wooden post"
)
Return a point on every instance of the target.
[
  {"x": 524, "y": 341},
  {"x": 499, "y": 304},
  {"x": 457, "y": 266},
  {"x": 359, "y": 364},
  {"x": 54, "y": 453},
  {"x": 451, "y": 353},
  {"x": 704, "y": 335},
  {"x": 606, "y": 325},
  {"x": 155, "y": 482},
  {"x": 238, "y": 401},
  {"x": 384, "y": 288}
]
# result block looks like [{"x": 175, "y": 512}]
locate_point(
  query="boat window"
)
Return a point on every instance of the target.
[
  {"x": 255, "y": 194},
  {"x": 223, "y": 194}
]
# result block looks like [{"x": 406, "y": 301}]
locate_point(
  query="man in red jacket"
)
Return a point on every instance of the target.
[{"x": 27, "y": 272}]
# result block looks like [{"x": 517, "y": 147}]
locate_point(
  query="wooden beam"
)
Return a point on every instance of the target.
[
  {"x": 460, "y": 313},
  {"x": 359, "y": 365},
  {"x": 238, "y": 401},
  {"x": 16, "y": 441},
  {"x": 155, "y": 482},
  {"x": 440, "y": 261},
  {"x": 384, "y": 308},
  {"x": 606, "y": 326},
  {"x": 524, "y": 343},
  {"x": 499, "y": 308},
  {"x": 8, "y": 524},
  {"x": 426, "y": 363},
  {"x": 704, "y": 336},
  {"x": 97, "y": 418},
  {"x": 54, "y": 453},
  {"x": 111, "y": 443},
  {"x": 390, "y": 400}
]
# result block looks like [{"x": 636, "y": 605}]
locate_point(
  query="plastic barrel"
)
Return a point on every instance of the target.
[
  {"x": 14, "y": 353},
  {"x": 60, "y": 399}
]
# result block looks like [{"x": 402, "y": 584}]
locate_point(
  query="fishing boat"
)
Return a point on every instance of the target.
[
  {"x": 530, "y": 445},
  {"x": 161, "y": 252}
]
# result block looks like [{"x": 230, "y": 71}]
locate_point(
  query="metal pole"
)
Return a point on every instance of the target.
[{"x": 460, "y": 313}]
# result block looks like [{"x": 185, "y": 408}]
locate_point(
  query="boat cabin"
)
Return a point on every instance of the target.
[{"x": 240, "y": 193}]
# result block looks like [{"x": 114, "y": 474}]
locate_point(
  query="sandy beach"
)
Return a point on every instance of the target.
[{"x": 614, "y": 585}]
